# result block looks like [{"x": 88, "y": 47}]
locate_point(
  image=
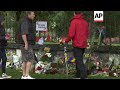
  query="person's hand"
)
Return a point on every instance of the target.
[
  {"x": 26, "y": 46},
  {"x": 62, "y": 42},
  {"x": 7, "y": 36}
]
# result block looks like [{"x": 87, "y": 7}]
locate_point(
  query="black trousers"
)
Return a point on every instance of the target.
[
  {"x": 80, "y": 66},
  {"x": 3, "y": 58}
]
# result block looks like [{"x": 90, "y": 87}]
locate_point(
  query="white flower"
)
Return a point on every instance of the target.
[
  {"x": 48, "y": 54},
  {"x": 40, "y": 62},
  {"x": 16, "y": 58},
  {"x": 60, "y": 40},
  {"x": 7, "y": 64},
  {"x": 45, "y": 39},
  {"x": 42, "y": 65},
  {"x": 115, "y": 74}
]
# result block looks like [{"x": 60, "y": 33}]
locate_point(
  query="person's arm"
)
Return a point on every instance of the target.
[
  {"x": 71, "y": 32},
  {"x": 1, "y": 37},
  {"x": 25, "y": 41},
  {"x": 24, "y": 32}
]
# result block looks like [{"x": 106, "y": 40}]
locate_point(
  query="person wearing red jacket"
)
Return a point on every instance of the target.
[{"x": 79, "y": 33}]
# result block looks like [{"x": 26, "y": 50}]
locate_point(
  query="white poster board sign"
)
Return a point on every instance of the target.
[{"x": 41, "y": 25}]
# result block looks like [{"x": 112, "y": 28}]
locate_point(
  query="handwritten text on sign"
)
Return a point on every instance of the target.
[{"x": 41, "y": 25}]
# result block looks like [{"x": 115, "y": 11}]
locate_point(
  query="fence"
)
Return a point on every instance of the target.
[{"x": 111, "y": 22}]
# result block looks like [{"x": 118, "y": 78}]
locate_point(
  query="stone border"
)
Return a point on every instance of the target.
[{"x": 57, "y": 47}]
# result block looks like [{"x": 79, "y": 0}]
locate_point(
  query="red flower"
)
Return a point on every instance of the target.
[
  {"x": 37, "y": 39},
  {"x": 103, "y": 70},
  {"x": 39, "y": 68},
  {"x": 48, "y": 38},
  {"x": 106, "y": 69}
]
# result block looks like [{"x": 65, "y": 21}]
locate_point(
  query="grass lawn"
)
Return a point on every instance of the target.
[
  {"x": 115, "y": 44},
  {"x": 16, "y": 74}
]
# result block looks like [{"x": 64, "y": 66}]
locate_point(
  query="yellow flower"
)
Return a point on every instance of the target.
[
  {"x": 73, "y": 60},
  {"x": 47, "y": 49}
]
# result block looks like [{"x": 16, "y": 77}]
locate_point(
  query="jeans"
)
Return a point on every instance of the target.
[
  {"x": 80, "y": 66},
  {"x": 3, "y": 58}
]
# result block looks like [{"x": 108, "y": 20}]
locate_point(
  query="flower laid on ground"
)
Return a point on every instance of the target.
[
  {"x": 41, "y": 67},
  {"x": 45, "y": 62},
  {"x": 71, "y": 60},
  {"x": 88, "y": 45},
  {"x": 48, "y": 54},
  {"x": 46, "y": 58},
  {"x": 115, "y": 71},
  {"x": 46, "y": 68},
  {"x": 105, "y": 68},
  {"x": 47, "y": 49},
  {"x": 105, "y": 74},
  {"x": 87, "y": 55}
]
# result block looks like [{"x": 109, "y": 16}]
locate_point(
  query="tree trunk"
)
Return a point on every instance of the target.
[{"x": 18, "y": 13}]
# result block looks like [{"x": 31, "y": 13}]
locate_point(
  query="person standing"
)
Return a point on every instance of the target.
[
  {"x": 3, "y": 43},
  {"x": 79, "y": 33},
  {"x": 102, "y": 35},
  {"x": 27, "y": 37}
]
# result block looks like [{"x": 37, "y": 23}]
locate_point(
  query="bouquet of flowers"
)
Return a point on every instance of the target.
[{"x": 47, "y": 57}]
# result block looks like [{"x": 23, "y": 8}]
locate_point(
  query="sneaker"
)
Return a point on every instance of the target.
[
  {"x": 4, "y": 75},
  {"x": 29, "y": 77},
  {"x": 76, "y": 78},
  {"x": 84, "y": 78},
  {"x": 23, "y": 77},
  {"x": 80, "y": 78},
  {"x": 1, "y": 78}
]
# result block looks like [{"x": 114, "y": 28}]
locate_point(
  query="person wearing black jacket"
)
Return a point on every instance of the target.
[{"x": 3, "y": 43}]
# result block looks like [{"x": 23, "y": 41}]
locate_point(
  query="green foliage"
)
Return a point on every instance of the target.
[{"x": 59, "y": 21}]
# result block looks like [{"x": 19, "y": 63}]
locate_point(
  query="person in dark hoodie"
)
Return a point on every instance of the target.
[
  {"x": 3, "y": 43},
  {"x": 79, "y": 33}
]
